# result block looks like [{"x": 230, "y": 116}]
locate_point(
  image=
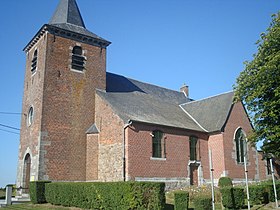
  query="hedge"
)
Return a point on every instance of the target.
[
  {"x": 181, "y": 200},
  {"x": 107, "y": 195},
  {"x": 258, "y": 194},
  {"x": 203, "y": 202},
  {"x": 269, "y": 190},
  {"x": 37, "y": 191},
  {"x": 225, "y": 182},
  {"x": 233, "y": 197}
]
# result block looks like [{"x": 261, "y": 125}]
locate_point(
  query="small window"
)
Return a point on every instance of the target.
[
  {"x": 158, "y": 145},
  {"x": 241, "y": 146},
  {"x": 30, "y": 115},
  {"x": 34, "y": 62},
  {"x": 78, "y": 59},
  {"x": 193, "y": 143},
  {"x": 268, "y": 168}
]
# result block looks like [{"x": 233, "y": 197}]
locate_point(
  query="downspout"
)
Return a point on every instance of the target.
[{"x": 129, "y": 122}]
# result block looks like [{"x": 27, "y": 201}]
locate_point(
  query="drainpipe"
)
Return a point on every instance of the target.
[{"x": 129, "y": 122}]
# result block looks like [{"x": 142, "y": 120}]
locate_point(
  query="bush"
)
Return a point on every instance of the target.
[
  {"x": 258, "y": 194},
  {"x": 109, "y": 195},
  {"x": 269, "y": 190},
  {"x": 181, "y": 200},
  {"x": 203, "y": 203},
  {"x": 225, "y": 182},
  {"x": 37, "y": 191},
  {"x": 233, "y": 198}
]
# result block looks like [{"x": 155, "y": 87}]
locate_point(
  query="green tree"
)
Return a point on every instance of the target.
[{"x": 258, "y": 87}]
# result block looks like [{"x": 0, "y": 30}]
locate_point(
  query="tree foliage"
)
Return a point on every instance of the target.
[{"x": 258, "y": 87}]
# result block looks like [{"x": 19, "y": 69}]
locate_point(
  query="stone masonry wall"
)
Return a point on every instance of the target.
[{"x": 110, "y": 154}]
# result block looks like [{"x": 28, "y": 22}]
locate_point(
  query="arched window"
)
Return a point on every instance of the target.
[
  {"x": 77, "y": 58},
  {"x": 158, "y": 145},
  {"x": 30, "y": 116},
  {"x": 241, "y": 145},
  {"x": 26, "y": 172},
  {"x": 34, "y": 62},
  {"x": 193, "y": 143}
]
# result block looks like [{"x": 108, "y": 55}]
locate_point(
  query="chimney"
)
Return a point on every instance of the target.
[{"x": 185, "y": 89}]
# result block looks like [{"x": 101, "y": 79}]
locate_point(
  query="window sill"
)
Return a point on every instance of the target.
[
  {"x": 78, "y": 71},
  {"x": 156, "y": 158}
]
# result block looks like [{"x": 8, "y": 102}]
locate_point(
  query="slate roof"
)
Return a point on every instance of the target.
[
  {"x": 67, "y": 11},
  {"x": 92, "y": 130},
  {"x": 142, "y": 102},
  {"x": 68, "y": 17},
  {"x": 211, "y": 113},
  {"x": 67, "y": 22}
]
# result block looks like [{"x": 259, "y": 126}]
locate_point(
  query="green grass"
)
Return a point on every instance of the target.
[{"x": 30, "y": 206}]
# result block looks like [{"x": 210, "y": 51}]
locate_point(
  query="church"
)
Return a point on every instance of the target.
[{"x": 82, "y": 123}]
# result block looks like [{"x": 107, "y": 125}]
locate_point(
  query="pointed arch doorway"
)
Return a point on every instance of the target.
[{"x": 26, "y": 173}]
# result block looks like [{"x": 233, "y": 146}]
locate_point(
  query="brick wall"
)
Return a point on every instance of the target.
[
  {"x": 216, "y": 144},
  {"x": 92, "y": 157},
  {"x": 64, "y": 107},
  {"x": 139, "y": 152},
  {"x": 32, "y": 97},
  {"x": 238, "y": 118}
]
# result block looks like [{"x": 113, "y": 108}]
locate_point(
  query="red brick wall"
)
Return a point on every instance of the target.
[
  {"x": 216, "y": 144},
  {"x": 139, "y": 152},
  {"x": 238, "y": 118},
  {"x": 92, "y": 157},
  {"x": 32, "y": 96},
  {"x": 64, "y": 106}
]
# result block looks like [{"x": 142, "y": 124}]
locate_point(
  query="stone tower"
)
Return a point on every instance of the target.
[{"x": 65, "y": 63}]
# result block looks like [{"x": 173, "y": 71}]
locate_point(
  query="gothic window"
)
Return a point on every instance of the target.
[
  {"x": 77, "y": 58},
  {"x": 158, "y": 145},
  {"x": 30, "y": 116},
  {"x": 193, "y": 143},
  {"x": 241, "y": 146},
  {"x": 34, "y": 62}
]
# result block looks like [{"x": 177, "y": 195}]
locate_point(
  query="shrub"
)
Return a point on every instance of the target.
[
  {"x": 109, "y": 195},
  {"x": 203, "y": 203},
  {"x": 225, "y": 182},
  {"x": 233, "y": 198},
  {"x": 257, "y": 194},
  {"x": 269, "y": 190},
  {"x": 181, "y": 200},
  {"x": 37, "y": 191}
]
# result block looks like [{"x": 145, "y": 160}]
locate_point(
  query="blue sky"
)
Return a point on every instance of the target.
[{"x": 202, "y": 43}]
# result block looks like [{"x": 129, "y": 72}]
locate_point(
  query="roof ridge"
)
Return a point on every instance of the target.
[
  {"x": 148, "y": 83},
  {"x": 209, "y": 97}
]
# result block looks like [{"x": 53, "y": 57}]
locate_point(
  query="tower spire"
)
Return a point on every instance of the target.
[{"x": 67, "y": 12}]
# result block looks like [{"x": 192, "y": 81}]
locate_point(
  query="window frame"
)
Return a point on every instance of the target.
[
  {"x": 34, "y": 62},
  {"x": 158, "y": 145},
  {"x": 193, "y": 140},
  {"x": 240, "y": 151},
  {"x": 30, "y": 116},
  {"x": 78, "y": 59}
]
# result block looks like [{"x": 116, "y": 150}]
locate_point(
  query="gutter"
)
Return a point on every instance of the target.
[{"x": 129, "y": 122}]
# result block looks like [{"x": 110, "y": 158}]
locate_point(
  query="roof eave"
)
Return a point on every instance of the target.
[{"x": 99, "y": 42}]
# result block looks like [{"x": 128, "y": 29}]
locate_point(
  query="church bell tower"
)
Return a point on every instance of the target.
[{"x": 65, "y": 63}]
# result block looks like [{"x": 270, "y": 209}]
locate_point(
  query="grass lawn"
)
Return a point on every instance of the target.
[{"x": 30, "y": 206}]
